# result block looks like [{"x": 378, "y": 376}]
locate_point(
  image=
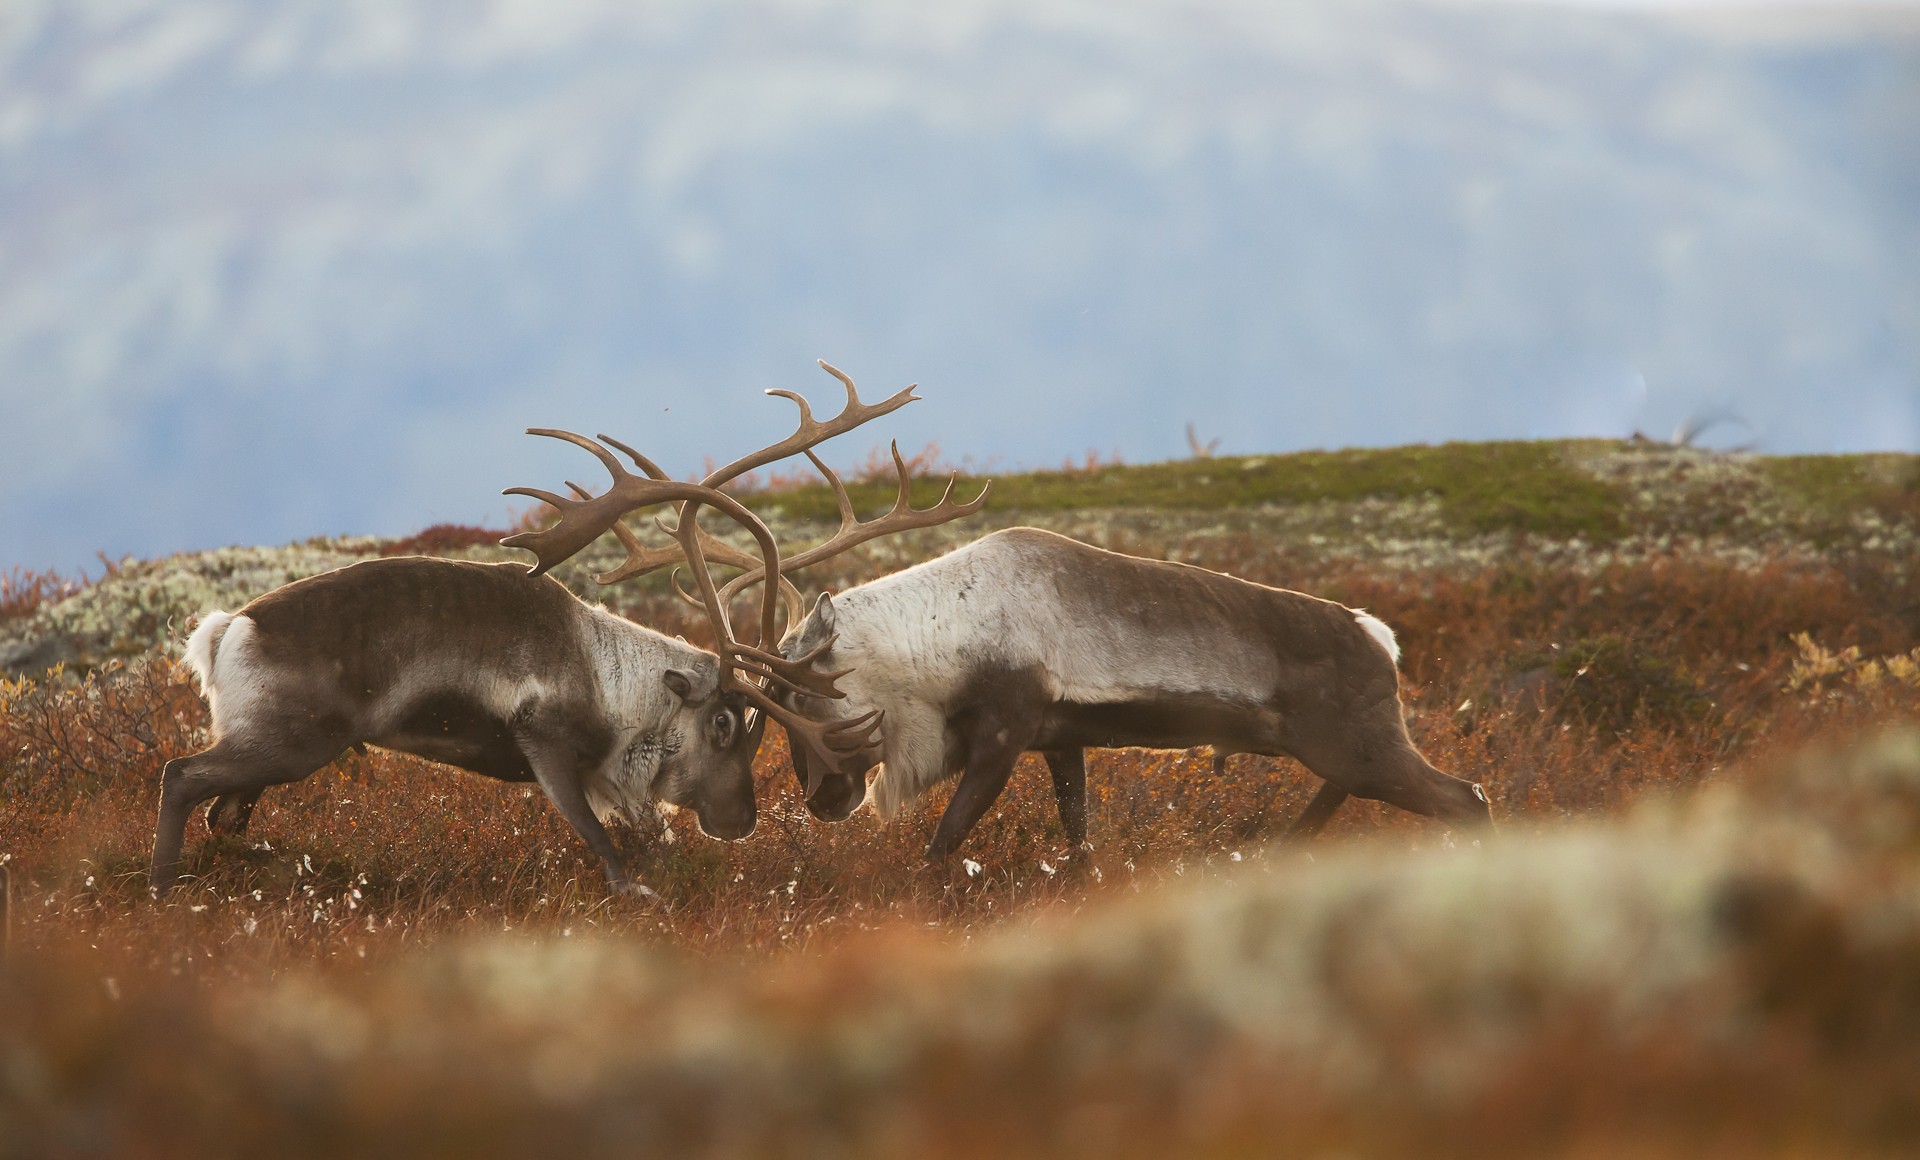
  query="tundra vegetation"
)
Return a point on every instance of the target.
[{"x": 1689, "y": 681}]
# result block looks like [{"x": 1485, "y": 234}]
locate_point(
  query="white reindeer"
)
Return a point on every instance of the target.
[{"x": 1028, "y": 640}]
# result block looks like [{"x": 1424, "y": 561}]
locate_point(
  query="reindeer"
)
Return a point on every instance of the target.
[
  {"x": 498, "y": 669},
  {"x": 1027, "y": 640}
]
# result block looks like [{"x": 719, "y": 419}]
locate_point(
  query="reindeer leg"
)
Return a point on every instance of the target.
[
  {"x": 567, "y": 797},
  {"x": 178, "y": 796},
  {"x": 232, "y": 768},
  {"x": 557, "y": 773},
  {"x": 231, "y": 812},
  {"x": 990, "y": 757},
  {"x": 1317, "y": 812},
  {"x": 1069, "y": 770}
]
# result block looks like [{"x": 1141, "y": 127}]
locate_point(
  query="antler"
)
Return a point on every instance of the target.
[
  {"x": 744, "y": 666},
  {"x": 642, "y": 559},
  {"x": 810, "y": 434},
  {"x": 582, "y": 521},
  {"x": 813, "y": 432},
  {"x": 903, "y": 516}
]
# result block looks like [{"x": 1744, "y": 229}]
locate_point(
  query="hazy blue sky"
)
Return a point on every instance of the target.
[{"x": 271, "y": 270}]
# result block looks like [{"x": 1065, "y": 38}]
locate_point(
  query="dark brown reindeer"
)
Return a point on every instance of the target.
[
  {"x": 498, "y": 669},
  {"x": 1027, "y": 640}
]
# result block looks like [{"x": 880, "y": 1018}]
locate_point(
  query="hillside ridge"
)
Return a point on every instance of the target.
[{"x": 1451, "y": 508}]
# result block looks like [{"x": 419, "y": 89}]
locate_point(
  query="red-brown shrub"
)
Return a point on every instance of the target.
[
  {"x": 23, "y": 591},
  {"x": 443, "y": 538}
]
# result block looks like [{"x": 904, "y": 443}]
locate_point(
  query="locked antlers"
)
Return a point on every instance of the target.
[{"x": 750, "y": 668}]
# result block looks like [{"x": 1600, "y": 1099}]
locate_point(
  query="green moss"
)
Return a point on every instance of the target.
[
  {"x": 1481, "y": 487},
  {"x": 1842, "y": 486}
]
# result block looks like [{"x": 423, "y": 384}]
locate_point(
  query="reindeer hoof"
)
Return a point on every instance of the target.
[{"x": 639, "y": 890}]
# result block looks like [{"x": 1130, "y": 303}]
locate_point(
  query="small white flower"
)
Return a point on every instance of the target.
[{"x": 972, "y": 868}]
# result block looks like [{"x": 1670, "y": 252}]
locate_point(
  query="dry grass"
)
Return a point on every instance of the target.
[{"x": 386, "y": 892}]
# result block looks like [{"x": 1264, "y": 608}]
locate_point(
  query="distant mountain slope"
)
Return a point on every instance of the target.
[{"x": 268, "y": 270}]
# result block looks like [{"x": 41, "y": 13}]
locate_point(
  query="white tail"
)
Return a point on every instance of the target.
[
  {"x": 1378, "y": 629},
  {"x": 205, "y": 643}
]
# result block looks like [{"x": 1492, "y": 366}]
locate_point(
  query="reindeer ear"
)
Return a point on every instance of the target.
[
  {"x": 680, "y": 682},
  {"x": 823, "y": 614},
  {"x": 692, "y": 684}
]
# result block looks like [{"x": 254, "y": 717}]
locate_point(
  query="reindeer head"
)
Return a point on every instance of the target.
[
  {"x": 831, "y": 751},
  {"x": 706, "y": 763},
  {"x": 839, "y": 790}
]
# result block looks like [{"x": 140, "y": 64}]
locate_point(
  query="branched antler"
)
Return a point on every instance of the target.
[
  {"x": 812, "y": 432},
  {"x": 903, "y": 516},
  {"x": 749, "y": 668},
  {"x": 583, "y": 520}
]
